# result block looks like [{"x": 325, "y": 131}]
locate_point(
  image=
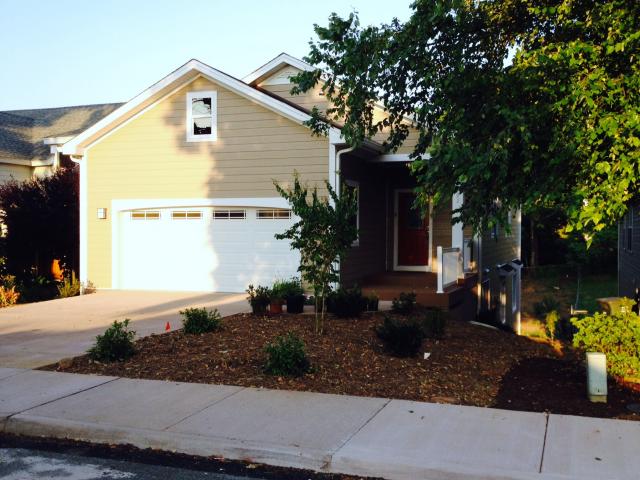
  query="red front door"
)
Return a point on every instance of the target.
[{"x": 413, "y": 233}]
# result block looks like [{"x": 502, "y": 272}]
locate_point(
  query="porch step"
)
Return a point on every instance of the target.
[
  {"x": 409, "y": 279},
  {"x": 452, "y": 296}
]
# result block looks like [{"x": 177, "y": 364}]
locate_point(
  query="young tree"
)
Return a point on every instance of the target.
[
  {"x": 323, "y": 234},
  {"x": 41, "y": 217},
  {"x": 533, "y": 102}
]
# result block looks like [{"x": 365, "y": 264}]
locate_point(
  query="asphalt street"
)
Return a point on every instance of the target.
[{"x": 27, "y": 464}]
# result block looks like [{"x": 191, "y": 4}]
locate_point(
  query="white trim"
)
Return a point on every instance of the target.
[
  {"x": 213, "y": 136},
  {"x": 406, "y": 268},
  {"x": 276, "y": 64},
  {"x": 393, "y": 157},
  {"x": 56, "y": 140},
  {"x": 519, "y": 233},
  {"x": 27, "y": 163},
  {"x": 123, "y": 205},
  {"x": 233, "y": 84},
  {"x": 356, "y": 185}
]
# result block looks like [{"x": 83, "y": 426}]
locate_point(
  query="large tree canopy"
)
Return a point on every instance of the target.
[{"x": 531, "y": 103}]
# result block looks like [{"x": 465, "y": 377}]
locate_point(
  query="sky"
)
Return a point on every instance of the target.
[{"x": 66, "y": 52}]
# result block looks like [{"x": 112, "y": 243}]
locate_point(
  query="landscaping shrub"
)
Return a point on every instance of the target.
[
  {"x": 286, "y": 356},
  {"x": 404, "y": 304},
  {"x": 8, "y": 296},
  {"x": 558, "y": 327},
  {"x": 200, "y": 320},
  {"x": 434, "y": 323},
  {"x": 402, "y": 337},
  {"x": 551, "y": 324},
  {"x": 259, "y": 299},
  {"x": 616, "y": 335},
  {"x": 37, "y": 288},
  {"x": 69, "y": 287},
  {"x": 116, "y": 343},
  {"x": 547, "y": 305},
  {"x": 41, "y": 217},
  {"x": 89, "y": 288},
  {"x": 347, "y": 302}
]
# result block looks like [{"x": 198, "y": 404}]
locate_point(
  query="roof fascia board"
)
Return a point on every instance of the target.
[
  {"x": 16, "y": 161},
  {"x": 70, "y": 148}
]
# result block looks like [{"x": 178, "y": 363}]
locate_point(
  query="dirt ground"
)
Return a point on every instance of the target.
[{"x": 471, "y": 365}]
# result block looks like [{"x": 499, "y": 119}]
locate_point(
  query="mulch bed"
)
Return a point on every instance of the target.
[
  {"x": 559, "y": 386},
  {"x": 467, "y": 366}
]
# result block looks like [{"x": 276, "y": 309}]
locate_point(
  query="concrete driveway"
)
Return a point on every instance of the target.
[{"x": 38, "y": 334}]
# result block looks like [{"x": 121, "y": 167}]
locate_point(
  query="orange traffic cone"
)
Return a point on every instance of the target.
[{"x": 167, "y": 327}]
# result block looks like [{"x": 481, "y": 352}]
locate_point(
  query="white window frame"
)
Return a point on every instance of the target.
[
  {"x": 213, "y": 136},
  {"x": 355, "y": 185}
]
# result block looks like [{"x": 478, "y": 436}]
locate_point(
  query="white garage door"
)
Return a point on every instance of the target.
[{"x": 203, "y": 249}]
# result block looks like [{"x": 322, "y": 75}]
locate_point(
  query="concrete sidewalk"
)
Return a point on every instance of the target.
[{"x": 333, "y": 433}]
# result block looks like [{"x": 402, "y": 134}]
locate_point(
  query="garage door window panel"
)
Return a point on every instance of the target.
[
  {"x": 150, "y": 215},
  {"x": 186, "y": 215},
  {"x": 229, "y": 214},
  {"x": 273, "y": 214}
]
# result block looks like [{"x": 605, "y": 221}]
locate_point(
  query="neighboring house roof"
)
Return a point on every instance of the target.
[{"x": 22, "y": 132}]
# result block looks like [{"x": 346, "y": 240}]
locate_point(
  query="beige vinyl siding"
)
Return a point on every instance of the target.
[
  {"x": 15, "y": 172},
  {"x": 149, "y": 158},
  {"x": 502, "y": 250},
  {"x": 306, "y": 100}
]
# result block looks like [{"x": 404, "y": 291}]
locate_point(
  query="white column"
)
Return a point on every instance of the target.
[{"x": 457, "y": 236}]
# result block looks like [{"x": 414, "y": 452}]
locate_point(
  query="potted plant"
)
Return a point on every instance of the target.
[
  {"x": 372, "y": 302},
  {"x": 294, "y": 295},
  {"x": 275, "y": 305},
  {"x": 259, "y": 299}
]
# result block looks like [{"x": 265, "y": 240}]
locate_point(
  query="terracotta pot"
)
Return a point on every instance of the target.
[
  {"x": 56, "y": 271},
  {"x": 275, "y": 307}
]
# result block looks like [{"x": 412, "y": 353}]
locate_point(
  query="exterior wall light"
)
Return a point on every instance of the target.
[{"x": 102, "y": 213}]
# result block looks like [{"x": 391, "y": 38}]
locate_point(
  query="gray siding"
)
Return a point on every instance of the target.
[{"x": 629, "y": 253}]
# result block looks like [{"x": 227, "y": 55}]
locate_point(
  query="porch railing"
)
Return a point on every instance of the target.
[{"x": 450, "y": 267}]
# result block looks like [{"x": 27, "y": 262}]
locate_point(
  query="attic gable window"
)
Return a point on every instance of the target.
[{"x": 201, "y": 116}]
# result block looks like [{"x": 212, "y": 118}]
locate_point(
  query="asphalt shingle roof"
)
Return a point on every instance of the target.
[{"x": 22, "y": 131}]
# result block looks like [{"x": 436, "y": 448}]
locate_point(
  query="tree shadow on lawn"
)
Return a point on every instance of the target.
[{"x": 560, "y": 386}]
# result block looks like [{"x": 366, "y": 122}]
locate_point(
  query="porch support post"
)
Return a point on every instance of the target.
[
  {"x": 457, "y": 236},
  {"x": 439, "y": 277}
]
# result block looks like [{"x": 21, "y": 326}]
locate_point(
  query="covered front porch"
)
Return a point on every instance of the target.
[{"x": 400, "y": 248}]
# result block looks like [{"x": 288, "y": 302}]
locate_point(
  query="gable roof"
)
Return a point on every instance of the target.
[
  {"x": 177, "y": 79},
  {"x": 22, "y": 132},
  {"x": 275, "y": 64}
]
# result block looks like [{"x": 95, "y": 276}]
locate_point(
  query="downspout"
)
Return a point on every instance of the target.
[{"x": 338, "y": 164}]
